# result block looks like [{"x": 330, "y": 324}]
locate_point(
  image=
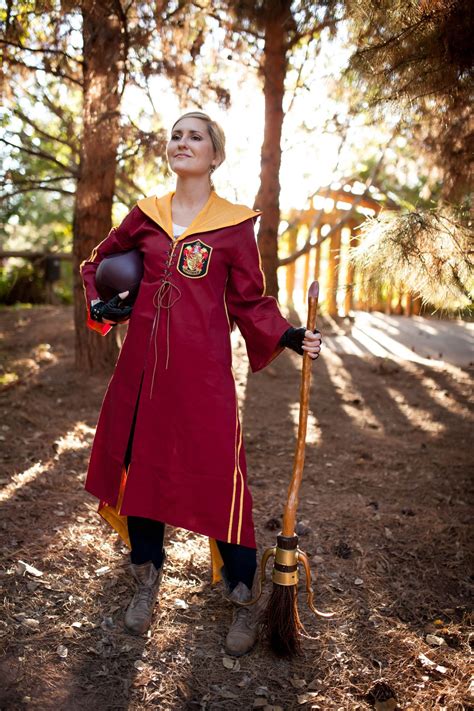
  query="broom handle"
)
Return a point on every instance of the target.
[{"x": 289, "y": 515}]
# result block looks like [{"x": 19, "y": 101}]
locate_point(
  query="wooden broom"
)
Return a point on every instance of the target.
[{"x": 280, "y": 619}]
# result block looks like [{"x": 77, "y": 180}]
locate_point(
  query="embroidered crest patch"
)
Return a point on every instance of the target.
[{"x": 194, "y": 259}]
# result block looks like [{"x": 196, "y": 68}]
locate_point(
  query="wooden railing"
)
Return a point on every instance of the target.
[{"x": 328, "y": 262}]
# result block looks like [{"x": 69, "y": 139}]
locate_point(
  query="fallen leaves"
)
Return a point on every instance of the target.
[
  {"x": 181, "y": 604},
  {"x": 102, "y": 570},
  {"x": 434, "y": 640},
  {"x": 307, "y": 697},
  {"x": 388, "y": 705},
  {"x": 30, "y": 623},
  {"x": 23, "y": 567},
  {"x": 430, "y": 665},
  {"x": 62, "y": 651},
  {"x": 302, "y": 528},
  {"x": 382, "y": 696}
]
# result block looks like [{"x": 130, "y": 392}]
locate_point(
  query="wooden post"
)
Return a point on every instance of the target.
[
  {"x": 408, "y": 304},
  {"x": 399, "y": 307},
  {"x": 388, "y": 302},
  {"x": 317, "y": 256},
  {"x": 291, "y": 268},
  {"x": 416, "y": 306},
  {"x": 333, "y": 271},
  {"x": 350, "y": 274},
  {"x": 307, "y": 257}
]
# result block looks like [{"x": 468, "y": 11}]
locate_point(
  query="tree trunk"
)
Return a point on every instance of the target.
[
  {"x": 268, "y": 197},
  {"x": 103, "y": 55}
]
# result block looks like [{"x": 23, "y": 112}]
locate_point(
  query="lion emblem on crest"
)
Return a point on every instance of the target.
[{"x": 194, "y": 259}]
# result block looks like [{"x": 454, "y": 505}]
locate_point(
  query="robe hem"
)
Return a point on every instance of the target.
[
  {"x": 169, "y": 522},
  {"x": 203, "y": 532}
]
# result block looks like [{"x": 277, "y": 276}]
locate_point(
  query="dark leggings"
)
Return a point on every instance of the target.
[{"x": 146, "y": 538}]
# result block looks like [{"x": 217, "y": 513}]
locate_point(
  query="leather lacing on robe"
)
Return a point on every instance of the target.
[{"x": 163, "y": 298}]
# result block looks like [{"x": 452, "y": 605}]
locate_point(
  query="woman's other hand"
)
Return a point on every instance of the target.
[
  {"x": 312, "y": 343},
  {"x": 301, "y": 340}
]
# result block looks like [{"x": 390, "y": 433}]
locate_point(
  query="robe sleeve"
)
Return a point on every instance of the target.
[
  {"x": 119, "y": 239},
  {"x": 258, "y": 316}
]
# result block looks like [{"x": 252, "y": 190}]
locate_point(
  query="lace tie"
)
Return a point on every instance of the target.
[{"x": 163, "y": 298}]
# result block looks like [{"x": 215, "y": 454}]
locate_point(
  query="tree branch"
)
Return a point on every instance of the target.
[
  {"x": 49, "y": 70},
  {"x": 298, "y": 78},
  {"x": 41, "y": 154},
  {"x": 42, "y": 132},
  {"x": 44, "y": 50},
  {"x": 33, "y": 181},
  {"x": 34, "y": 188},
  {"x": 126, "y": 43},
  {"x": 310, "y": 32},
  {"x": 125, "y": 178}
]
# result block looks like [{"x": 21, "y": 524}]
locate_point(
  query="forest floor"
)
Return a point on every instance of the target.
[{"x": 383, "y": 517}]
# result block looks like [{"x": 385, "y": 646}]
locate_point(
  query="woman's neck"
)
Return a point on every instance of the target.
[{"x": 191, "y": 193}]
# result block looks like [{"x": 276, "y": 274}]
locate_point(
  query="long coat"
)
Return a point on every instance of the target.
[{"x": 174, "y": 372}]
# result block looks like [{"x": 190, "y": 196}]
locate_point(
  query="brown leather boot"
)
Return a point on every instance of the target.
[
  {"x": 140, "y": 611},
  {"x": 243, "y": 632}
]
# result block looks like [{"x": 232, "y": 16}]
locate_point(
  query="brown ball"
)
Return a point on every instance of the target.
[{"x": 118, "y": 273}]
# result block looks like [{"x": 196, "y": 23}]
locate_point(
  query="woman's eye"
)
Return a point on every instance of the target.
[{"x": 176, "y": 137}]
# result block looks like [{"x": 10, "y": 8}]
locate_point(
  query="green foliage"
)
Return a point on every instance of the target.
[
  {"x": 426, "y": 252},
  {"x": 417, "y": 58},
  {"x": 21, "y": 283}
]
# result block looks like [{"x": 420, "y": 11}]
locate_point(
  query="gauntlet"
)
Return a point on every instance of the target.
[
  {"x": 293, "y": 338},
  {"x": 113, "y": 310}
]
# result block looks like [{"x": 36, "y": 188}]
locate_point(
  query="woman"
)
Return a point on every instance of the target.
[{"x": 168, "y": 446}]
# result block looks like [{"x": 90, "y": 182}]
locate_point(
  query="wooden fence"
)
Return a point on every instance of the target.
[{"x": 328, "y": 259}]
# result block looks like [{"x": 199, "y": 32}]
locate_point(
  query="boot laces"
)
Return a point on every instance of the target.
[
  {"x": 241, "y": 618},
  {"x": 144, "y": 594}
]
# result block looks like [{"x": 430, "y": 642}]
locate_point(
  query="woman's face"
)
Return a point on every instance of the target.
[{"x": 190, "y": 150}]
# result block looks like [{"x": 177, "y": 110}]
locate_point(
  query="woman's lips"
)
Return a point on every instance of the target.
[{"x": 182, "y": 155}]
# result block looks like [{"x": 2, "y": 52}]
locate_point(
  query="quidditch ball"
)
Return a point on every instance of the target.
[{"x": 118, "y": 273}]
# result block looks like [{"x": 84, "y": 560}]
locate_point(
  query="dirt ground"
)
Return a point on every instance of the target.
[{"x": 383, "y": 516}]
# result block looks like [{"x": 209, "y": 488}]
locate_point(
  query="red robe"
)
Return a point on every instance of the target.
[{"x": 187, "y": 465}]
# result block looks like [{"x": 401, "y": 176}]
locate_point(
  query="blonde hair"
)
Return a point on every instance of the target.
[{"x": 216, "y": 135}]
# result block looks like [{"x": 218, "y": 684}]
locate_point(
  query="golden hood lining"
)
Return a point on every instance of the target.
[{"x": 216, "y": 214}]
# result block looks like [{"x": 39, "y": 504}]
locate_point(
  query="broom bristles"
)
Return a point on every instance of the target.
[{"x": 280, "y": 620}]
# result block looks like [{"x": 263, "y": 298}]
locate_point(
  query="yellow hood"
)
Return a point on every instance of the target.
[{"x": 216, "y": 213}]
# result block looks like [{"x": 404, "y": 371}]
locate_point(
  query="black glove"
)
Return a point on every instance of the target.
[
  {"x": 113, "y": 310},
  {"x": 293, "y": 338}
]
